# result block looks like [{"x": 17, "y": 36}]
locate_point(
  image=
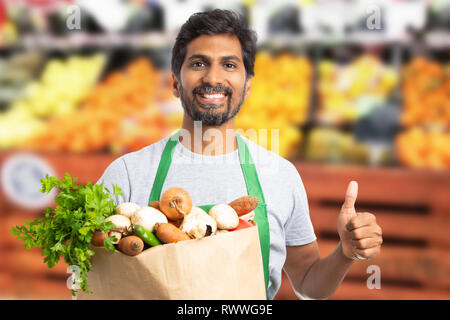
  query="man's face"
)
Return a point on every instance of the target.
[{"x": 212, "y": 84}]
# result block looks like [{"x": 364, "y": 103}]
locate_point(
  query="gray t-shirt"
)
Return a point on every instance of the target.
[{"x": 219, "y": 179}]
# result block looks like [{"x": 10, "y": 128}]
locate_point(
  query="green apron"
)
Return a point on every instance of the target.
[{"x": 251, "y": 181}]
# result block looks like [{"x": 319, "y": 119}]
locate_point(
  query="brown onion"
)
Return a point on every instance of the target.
[{"x": 175, "y": 203}]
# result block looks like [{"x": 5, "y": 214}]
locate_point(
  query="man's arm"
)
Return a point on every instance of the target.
[
  {"x": 312, "y": 277},
  {"x": 316, "y": 278}
]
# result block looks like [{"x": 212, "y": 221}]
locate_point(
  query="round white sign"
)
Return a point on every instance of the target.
[{"x": 21, "y": 176}]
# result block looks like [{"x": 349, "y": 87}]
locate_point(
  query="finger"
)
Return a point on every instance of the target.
[
  {"x": 367, "y": 243},
  {"x": 372, "y": 231},
  {"x": 350, "y": 196},
  {"x": 361, "y": 220},
  {"x": 367, "y": 253}
]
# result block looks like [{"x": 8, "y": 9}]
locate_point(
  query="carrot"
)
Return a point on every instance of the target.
[
  {"x": 244, "y": 204},
  {"x": 155, "y": 204},
  {"x": 168, "y": 233},
  {"x": 98, "y": 238},
  {"x": 176, "y": 223},
  {"x": 131, "y": 245}
]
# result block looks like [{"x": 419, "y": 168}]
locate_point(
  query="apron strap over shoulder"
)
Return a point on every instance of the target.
[{"x": 163, "y": 168}]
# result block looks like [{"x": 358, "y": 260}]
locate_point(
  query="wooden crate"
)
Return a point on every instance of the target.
[
  {"x": 413, "y": 209},
  {"x": 42, "y": 288},
  {"x": 7, "y": 285},
  {"x": 30, "y": 262}
]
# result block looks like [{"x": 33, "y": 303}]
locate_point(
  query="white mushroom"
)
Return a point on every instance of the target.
[
  {"x": 147, "y": 217},
  {"x": 248, "y": 216},
  {"x": 225, "y": 216},
  {"x": 122, "y": 226},
  {"x": 198, "y": 224},
  {"x": 127, "y": 209}
]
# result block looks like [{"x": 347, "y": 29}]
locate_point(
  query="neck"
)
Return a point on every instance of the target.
[{"x": 208, "y": 140}]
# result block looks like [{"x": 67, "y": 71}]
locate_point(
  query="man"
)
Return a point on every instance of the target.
[{"x": 212, "y": 65}]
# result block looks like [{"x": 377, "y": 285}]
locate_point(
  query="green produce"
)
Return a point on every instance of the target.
[
  {"x": 147, "y": 236},
  {"x": 67, "y": 230}
]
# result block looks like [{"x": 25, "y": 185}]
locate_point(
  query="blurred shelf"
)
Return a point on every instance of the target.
[
  {"x": 158, "y": 40},
  {"x": 153, "y": 40}
]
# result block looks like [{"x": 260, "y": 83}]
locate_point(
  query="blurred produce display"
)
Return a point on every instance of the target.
[
  {"x": 15, "y": 72},
  {"x": 426, "y": 93},
  {"x": 59, "y": 90},
  {"x": 280, "y": 98},
  {"x": 118, "y": 113},
  {"x": 331, "y": 145},
  {"x": 59, "y": 93},
  {"x": 349, "y": 92},
  {"x": 62, "y": 86},
  {"x": 424, "y": 148}
]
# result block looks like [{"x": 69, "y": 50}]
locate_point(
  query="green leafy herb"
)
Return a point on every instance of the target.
[{"x": 67, "y": 230}]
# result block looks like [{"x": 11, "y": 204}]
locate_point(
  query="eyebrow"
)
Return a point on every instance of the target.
[{"x": 207, "y": 59}]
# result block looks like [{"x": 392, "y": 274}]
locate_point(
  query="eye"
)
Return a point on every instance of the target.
[
  {"x": 197, "y": 64},
  {"x": 230, "y": 66}
]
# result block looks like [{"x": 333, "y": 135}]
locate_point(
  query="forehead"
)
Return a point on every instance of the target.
[{"x": 215, "y": 46}]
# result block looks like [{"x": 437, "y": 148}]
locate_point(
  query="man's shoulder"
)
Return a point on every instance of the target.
[
  {"x": 152, "y": 150},
  {"x": 270, "y": 162},
  {"x": 262, "y": 155},
  {"x": 137, "y": 158}
]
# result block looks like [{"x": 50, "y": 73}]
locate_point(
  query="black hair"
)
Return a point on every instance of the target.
[{"x": 211, "y": 23}]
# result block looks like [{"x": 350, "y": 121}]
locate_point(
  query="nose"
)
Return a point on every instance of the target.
[{"x": 213, "y": 76}]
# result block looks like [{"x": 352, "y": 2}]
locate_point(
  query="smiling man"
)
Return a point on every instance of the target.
[{"x": 212, "y": 64}]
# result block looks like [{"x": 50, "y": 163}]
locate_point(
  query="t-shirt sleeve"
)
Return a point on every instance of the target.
[
  {"x": 299, "y": 229},
  {"x": 116, "y": 174}
]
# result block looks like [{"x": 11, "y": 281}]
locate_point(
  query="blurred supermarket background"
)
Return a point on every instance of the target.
[{"x": 358, "y": 90}]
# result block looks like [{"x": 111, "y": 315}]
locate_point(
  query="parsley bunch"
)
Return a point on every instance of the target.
[{"x": 67, "y": 230}]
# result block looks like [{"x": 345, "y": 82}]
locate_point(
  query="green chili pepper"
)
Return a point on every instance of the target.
[{"x": 147, "y": 236}]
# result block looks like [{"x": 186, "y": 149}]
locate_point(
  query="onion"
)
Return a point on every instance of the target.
[{"x": 175, "y": 203}]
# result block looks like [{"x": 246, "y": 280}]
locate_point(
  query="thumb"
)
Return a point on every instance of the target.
[{"x": 350, "y": 198}]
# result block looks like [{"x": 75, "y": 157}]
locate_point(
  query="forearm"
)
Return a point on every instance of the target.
[{"x": 325, "y": 275}]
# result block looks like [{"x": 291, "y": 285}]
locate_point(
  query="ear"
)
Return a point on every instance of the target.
[
  {"x": 175, "y": 90},
  {"x": 248, "y": 88}
]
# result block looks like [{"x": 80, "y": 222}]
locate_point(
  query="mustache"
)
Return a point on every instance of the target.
[{"x": 210, "y": 89}]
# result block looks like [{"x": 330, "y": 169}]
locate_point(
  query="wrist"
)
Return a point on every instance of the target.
[{"x": 343, "y": 255}]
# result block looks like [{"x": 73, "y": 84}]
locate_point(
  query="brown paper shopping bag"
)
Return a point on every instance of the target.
[{"x": 223, "y": 266}]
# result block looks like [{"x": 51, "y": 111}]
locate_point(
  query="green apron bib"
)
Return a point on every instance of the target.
[{"x": 251, "y": 181}]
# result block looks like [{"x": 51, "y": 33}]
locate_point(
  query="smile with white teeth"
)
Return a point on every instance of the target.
[{"x": 213, "y": 96}]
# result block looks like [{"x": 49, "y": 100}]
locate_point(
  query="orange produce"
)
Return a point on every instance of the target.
[
  {"x": 168, "y": 233},
  {"x": 420, "y": 148},
  {"x": 426, "y": 93}
]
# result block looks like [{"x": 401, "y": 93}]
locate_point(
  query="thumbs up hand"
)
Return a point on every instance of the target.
[{"x": 359, "y": 233}]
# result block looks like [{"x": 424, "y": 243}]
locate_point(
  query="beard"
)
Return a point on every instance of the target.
[{"x": 209, "y": 114}]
